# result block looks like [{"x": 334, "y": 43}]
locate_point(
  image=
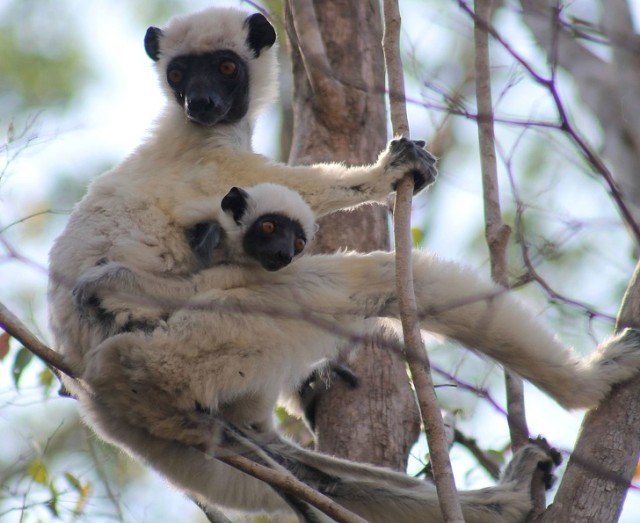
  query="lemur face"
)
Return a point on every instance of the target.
[
  {"x": 274, "y": 240},
  {"x": 212, "y": 87},
  {"x": 270, "y": 237},
  {"x": 208, "y": 71}
]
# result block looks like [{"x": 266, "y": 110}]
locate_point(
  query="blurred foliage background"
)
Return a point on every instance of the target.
[{"x": 76, "y": 95}]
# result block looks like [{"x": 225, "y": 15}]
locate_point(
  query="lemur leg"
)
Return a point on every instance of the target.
[
  {"x": 381, "y": 495},
  {"x": 455, "y": 302},
  {"x": 189, "y": 469},
  {"x": 119, "y": 375}
]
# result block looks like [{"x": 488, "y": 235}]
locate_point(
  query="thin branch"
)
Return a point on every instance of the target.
[
  {"x": 489, "y": 464},
  {"x": 414, "y": 348},
  {"x": 496, "y": 231},
  {"x": 11, "y": 324},
  {"x": 212, "y": 514},
  {"x": 293, "y": 486},
  {"x": 564, "y": 122}
]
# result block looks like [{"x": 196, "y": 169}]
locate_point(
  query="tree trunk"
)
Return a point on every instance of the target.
[
  {"x": 604, "y": 459},
  {"x": 341, "y": 117}
]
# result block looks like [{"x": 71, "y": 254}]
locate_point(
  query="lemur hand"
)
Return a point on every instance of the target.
[{"x": 404, "y": 156}]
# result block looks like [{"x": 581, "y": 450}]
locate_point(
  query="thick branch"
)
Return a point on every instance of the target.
[
  {"x": 602, "y": 464},
  {"x": 415, "y": 351}
]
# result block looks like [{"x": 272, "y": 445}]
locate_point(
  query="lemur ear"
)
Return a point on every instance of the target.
[
  {"x": 261, "y": 33},
  {"x": 235, "y": 202},
  {"x": 152, "y": 43}
]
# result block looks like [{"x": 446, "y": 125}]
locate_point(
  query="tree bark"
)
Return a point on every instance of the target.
[
  {"x": 339, "y": 115},
  {"x": 604, "y": 459}
]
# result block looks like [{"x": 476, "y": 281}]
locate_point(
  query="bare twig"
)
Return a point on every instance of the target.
[
  {"x": 276, "y": 478},
  {"x": 483, "y": 458},
  {"x": 496, "y": 231},
  {"x": 565, "y": 124},
  {"x": 415, "y": 352}
]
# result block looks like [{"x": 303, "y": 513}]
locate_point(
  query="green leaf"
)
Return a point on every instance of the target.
[
  {"x": 47, "y": 379},
  {"x": 38, "y": 471},
  {"x": 23, "y": 358},
  {"x": 52, "y": 504},
  {"x": 417, "y": 235},
  {"x": 281, "y": 414},
  {"x": 73, "y": 481}
]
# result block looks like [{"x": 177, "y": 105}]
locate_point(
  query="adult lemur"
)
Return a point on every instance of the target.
[{"x": 230, "y": 339}]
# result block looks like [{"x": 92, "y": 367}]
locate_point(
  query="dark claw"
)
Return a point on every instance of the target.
[
  {"x": 421, "y": 164},
  {"x": 84, "y": 296},
  {"x": 547, "y": 467}
]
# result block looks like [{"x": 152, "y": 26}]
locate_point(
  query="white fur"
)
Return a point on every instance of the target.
[
  {"x": 217, "y": 28},
  {"x": 266, "y": 198},
  {"x": 231, "y": 339}
]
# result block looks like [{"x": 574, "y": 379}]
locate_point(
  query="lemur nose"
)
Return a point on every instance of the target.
[
  {"x": 284, "y": 257},
  {"x": 199, "y": 104}
]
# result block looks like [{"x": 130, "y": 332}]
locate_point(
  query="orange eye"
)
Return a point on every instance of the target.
[
  {"x": 299, "y": 245},
  {"x": 175, "y": 76},
  {"x": 227, "y": 68},
  {"x": 267, "y": 227}
]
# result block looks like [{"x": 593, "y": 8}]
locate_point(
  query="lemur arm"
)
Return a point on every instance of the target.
[
  {"x": 137, "y": 297},
  {"x": 327, "y": 186},
  {"x": 457, "y": 303}
]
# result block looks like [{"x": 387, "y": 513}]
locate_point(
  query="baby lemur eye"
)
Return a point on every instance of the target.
[
  {"x": 267, "y": 227},
  {"x": 227, "y": 67},
  {"x": 299, "y": 245},
  {"x": 175, "y": 76}
]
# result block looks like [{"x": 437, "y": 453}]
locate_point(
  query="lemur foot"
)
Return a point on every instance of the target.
[
  {"x": 111, "y": 290},
  {"x": 536, "y": 455},
  {"x": 410, "y": 157}
]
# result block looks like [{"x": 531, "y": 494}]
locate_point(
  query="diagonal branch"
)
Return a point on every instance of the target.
[
  {"x": 415, "y": 352},
  {"x": 312, "y": 50},
  {"x": 280, "y": 480},
  {"x": 11, "y": 324}
]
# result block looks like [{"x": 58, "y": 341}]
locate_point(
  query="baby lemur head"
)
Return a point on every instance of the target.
[
  {"x": 218, "y": 64},
  {"x": 267, "y": 223}
]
